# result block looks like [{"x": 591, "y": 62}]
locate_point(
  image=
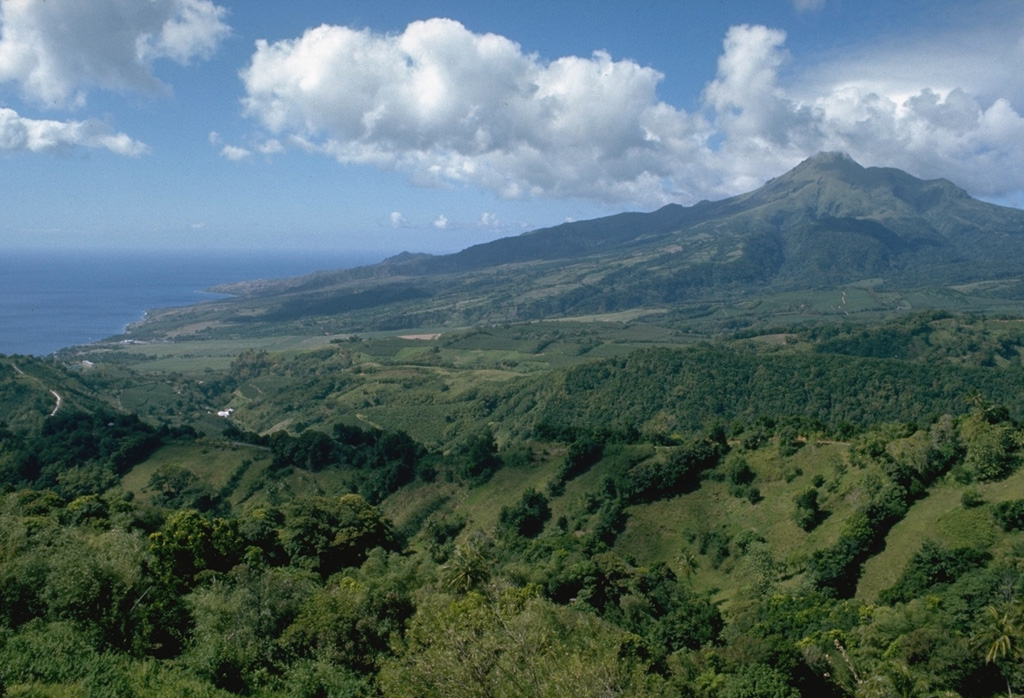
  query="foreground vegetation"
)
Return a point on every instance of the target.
[{"x": 559, "y": 509}]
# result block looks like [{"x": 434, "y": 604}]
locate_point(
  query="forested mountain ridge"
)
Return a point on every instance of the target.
[
  {"x": 828, "y": 191},
  {"x": 827, "y": 222},
  {"x": 825, "y": 189}
]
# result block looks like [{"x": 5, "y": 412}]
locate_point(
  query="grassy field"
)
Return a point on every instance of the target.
[
  {"x": 662, "y": 531},
  {"x": 211, "y": 461},
  {"x": 941, "y": 517}
]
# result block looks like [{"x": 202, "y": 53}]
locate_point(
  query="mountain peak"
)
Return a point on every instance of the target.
[
  {"x": 832, "y": 161},
  {"x": 826, "y": 164},
  {"x": 824, "y": 171},
  {"x": 828, "y": 157}
]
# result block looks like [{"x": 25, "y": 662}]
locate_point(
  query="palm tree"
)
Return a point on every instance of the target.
[
  {"x": 895, "y": 680},
  {"x": 688, "y": 565},
  {"x": 1000, "y": 638},
  {"x": 469, "y": 567}
]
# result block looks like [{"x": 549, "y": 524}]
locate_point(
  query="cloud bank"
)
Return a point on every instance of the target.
[{"x": 452, "y": 107}]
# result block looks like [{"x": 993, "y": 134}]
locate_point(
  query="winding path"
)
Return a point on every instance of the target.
[{"x": 56, "y": 395}]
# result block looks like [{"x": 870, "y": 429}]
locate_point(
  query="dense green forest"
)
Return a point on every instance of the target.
[{"x": 519, "y": 511}]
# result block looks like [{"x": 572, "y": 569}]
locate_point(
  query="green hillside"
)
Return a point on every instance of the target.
[{"x": 821, "y": 511}]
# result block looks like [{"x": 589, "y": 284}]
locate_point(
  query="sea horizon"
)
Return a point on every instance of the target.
[{"x": 54, "y": 299}]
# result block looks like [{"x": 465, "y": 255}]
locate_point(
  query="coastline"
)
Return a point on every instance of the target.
[{"x": 53, "y": 300}]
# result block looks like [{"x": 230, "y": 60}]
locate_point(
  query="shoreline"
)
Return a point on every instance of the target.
[{"x": 55, "y": 300}]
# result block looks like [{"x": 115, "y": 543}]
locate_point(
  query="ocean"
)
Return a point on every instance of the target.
[{"x": 55, "y": 299}]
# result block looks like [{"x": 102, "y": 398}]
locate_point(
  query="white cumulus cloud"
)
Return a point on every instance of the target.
[
  {"x": 57, "y": 50},
  {"x": 441, "y": 222},
  {"x": 42, "y": 135},
  {"x": 397, "y": 219},
  {"x": 235, "y": 153},
  {"x": 449, "y": 106},
  {"x": 271, "y": 146}
]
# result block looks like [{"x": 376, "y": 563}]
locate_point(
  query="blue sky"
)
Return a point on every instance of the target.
[{"x": 434, "y": 125}]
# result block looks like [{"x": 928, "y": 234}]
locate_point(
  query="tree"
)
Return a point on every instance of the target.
[
  {"x": 990, "y": 451},
  {"x": 527, "y": 517},
  {"x": 934, "y": 564},
  {"x": 349, "y": 623},
  {"x": 94, "y": 580},
  {"x": 515, "y": 644},
  {"x": 583, "y": 453},
  {"x": 188, "y": 545},
  {"x": 1000, "y": 637},
  {"x": 895, "y": 679},
  {"x": 327, "y": 534},
  {"x": 688, "y": 565},
  {"x": 481, "y": 455},
  {"x": 237, "y": 622},
  {"x": 440, "y": 531},
  {"x": 1009, "y": 514},
  {"x": 758, "y": 681},
  {"x": 191, "y": 543},
  {"x": 178, "y": 487},
  {"x": 807, "y": 514},
  {"x": 469, "y": 566}
]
